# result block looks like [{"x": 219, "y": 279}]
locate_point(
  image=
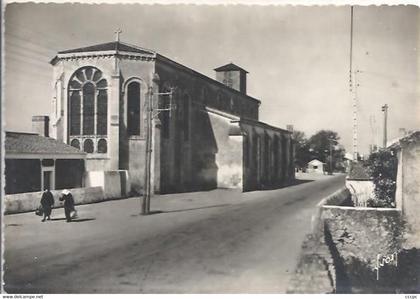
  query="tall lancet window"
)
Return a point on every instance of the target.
[
  {"x": 133, "y": 108},
  {"x": 88, "y": 110}
]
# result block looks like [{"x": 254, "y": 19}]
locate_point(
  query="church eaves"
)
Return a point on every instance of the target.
[
  {"x": 104, "y": 47},
  {"x": 111, "y": 46}
]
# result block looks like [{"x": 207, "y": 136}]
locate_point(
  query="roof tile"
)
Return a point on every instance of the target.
[{"x": 25, "y": 143}]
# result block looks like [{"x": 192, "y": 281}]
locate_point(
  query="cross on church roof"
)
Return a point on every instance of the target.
[{"x": 117, "y": 34}]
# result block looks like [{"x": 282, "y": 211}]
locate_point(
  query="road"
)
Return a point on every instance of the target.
[{"x": 206, "y": 242}]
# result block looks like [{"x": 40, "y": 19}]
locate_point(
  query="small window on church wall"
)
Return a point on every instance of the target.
[
  {"x": 88, "y": 146},
  {"x": 133, "y": 108},
  {"x": 186, "y": 118},
  {"x": 102, "y": 146},
  {"x": 88, "y": 107},
  {"x": 276, "y": 152},
  {"x": 75, "y": 143}
]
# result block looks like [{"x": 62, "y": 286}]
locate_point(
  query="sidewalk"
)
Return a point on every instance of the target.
[{"x": 168, "y": 203}]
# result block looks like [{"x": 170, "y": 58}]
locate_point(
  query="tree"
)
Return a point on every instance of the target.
[
  {"x": 322, "y": 145},
  {"x": 302, "y": 156}
]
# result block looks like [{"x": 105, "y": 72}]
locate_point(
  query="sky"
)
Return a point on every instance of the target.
[{"x": 297, "y": 57}]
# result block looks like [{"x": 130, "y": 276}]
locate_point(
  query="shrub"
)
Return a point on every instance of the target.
[{"x": 382, "y": 167}]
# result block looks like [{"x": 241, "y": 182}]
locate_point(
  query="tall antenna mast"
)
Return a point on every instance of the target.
[{"x": 353, "y": 89}]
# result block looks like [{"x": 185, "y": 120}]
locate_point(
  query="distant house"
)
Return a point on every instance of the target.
[
  {"x": 315, "y": 166},
  {"x": 35, "y": 162}
]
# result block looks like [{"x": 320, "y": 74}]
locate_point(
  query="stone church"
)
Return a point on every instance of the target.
[{"x": 205, "y": 133}]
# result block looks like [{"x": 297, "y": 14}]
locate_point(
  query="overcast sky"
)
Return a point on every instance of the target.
[{"x": 297, "y": 57}]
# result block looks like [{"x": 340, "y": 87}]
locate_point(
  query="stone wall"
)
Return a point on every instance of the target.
[
  {"x": 26, "y": 202},
  {"x": 408, "y": 179},
  {"x": 115, "y": 184},
  {"x": 356, "y": 236},
  {"x": 364, "y": 232}
]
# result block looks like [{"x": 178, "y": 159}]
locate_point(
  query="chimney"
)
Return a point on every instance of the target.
[
  {"x": 40, "y": 125},
  {"x": 289, "y": 128},
  {"x": 233, "y": 76}
]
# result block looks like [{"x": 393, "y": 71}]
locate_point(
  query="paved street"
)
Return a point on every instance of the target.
[{"x": 206, "y": 242}]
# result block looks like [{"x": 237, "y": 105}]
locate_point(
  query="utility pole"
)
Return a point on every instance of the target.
[
  {"x": 145, "y": 208},
  {"x": 353, "y": 88},
  {"x": 385, "y": 111}
]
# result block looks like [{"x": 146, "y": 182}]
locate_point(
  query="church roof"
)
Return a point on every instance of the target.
[
  {"x": 110, "y": 46},
  {"x": 229, "y": 67},
  {"x": 124, "y": 47},
  {"x": 30, "y": 143}
]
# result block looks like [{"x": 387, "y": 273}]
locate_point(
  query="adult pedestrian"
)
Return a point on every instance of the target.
[
  {"x": 68, "y": 204},
  {"x": 47, "y": 203}
]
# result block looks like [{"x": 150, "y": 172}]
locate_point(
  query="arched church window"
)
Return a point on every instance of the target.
[
  {"x": 102, "y": 146},
  {"x": 88, "y": 107},
  {"x": 75, "y": 143},
  {"x": 88, "y": 146},
  {"x": 204, "y": 96},
  {"x": 133, "y": 108}
]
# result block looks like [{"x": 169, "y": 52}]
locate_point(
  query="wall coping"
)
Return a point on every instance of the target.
[
  {"x": 360, "y": 208},
  {"x": 356, "y": 179}
]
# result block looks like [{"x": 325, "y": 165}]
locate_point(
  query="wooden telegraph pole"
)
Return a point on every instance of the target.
[{"x": 145, "y": 208}]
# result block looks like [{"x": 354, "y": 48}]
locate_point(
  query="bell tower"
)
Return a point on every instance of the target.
[{"x": 233, "y": 76}]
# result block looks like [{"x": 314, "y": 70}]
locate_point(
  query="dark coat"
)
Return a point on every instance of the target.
[
  {"x": 47, "y": 199},
  {"x": 68, "y": 201},
  {"x": 47, "y": 202}
]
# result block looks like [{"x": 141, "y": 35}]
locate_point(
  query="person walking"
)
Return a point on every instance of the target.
[
  {"x": 68, "y": 204},
  {"x": 47, "y": 203}
]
